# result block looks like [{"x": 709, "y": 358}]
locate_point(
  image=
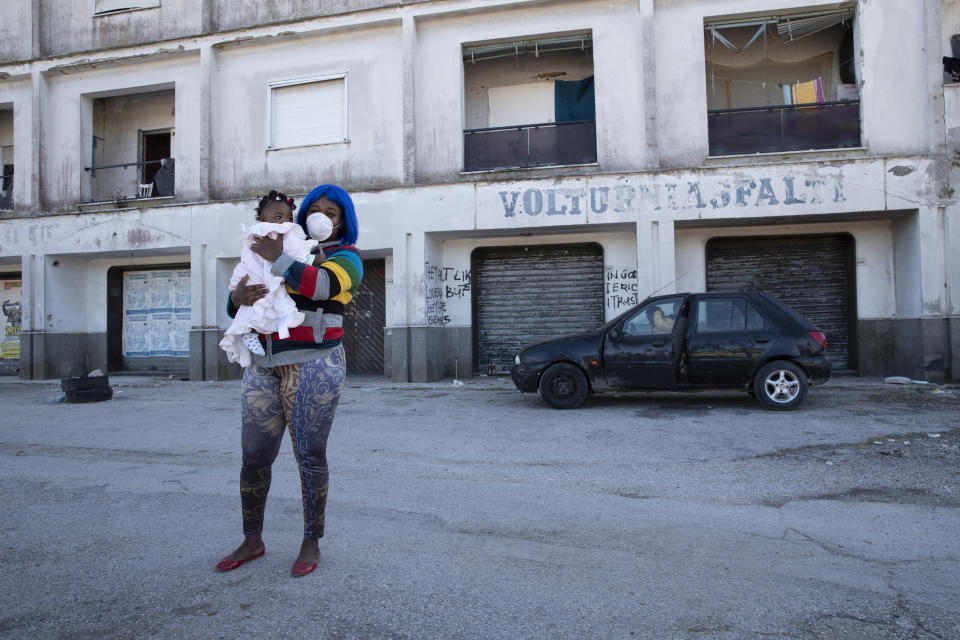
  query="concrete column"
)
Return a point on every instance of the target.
[
  {"x": 409, "y": 30},
  {"x": 656, "y": 260},
  {"x": 198, "y": 302},
  {"x": 33, "y": 125},
  {"x": 208, "y": 67},
  {"x": 410, "y": 344},
  {"x": 31, "y": 348}
]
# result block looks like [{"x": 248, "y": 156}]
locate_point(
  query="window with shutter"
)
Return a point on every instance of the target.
[{"x": 308, "y": 112}]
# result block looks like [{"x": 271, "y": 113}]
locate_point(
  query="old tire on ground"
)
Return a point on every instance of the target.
[
  {"x": 86, "y": 389},
  {"x": 563, "y": 386},
  {"x": 780, "y": 385},
  {"x": 88, "y": 395},
  {"x": 84, "y": 383}
]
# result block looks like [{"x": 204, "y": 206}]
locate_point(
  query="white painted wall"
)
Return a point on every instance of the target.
[
  {"x": 68, "y": 26},
  {"x": 69, "y": 123},
  {"x": 16, "y": 30},
  {"x": 895, "y": 112},
  {"x": 241, "y": 163},
  {"x": 618, "y": 70}
]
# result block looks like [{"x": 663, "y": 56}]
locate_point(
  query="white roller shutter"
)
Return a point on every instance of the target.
[{"x": 308, "y": 113}]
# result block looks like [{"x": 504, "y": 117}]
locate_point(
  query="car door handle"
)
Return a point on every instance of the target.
[
  {"x": 659, "y": 344},
  {"x": 761, "y": 339}
]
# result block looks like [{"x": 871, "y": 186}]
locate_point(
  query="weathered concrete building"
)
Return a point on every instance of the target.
[{"x": 521, "y": 168}]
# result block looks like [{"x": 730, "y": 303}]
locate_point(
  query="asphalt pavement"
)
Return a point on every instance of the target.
[{"x": 473, "y": 511}]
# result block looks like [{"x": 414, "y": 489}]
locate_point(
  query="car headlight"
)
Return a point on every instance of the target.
[{"x": 516, "y": 359}]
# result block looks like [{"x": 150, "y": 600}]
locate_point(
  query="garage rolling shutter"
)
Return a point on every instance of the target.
[
  {"x": 523, "y": 295},
  {"x": 363, "y": 321},
  {"x": 811, "y": 274}
]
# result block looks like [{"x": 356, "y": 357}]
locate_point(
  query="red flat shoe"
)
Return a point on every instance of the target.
[
  {"x": 302, "y": 568},
  {"x": 229, "y": 564}
]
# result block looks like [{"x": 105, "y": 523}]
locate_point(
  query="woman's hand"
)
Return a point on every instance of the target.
[
  {"x": 247, "y": 294},
  {"x": 267, "y": 247}
]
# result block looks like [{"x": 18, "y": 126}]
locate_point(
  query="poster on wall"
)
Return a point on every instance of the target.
[
  {"x": 10, "y": 302},
  {"x": 156, "y": 313}
]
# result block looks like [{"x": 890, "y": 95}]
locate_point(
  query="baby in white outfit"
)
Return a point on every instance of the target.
[{"x": 275, "y": 312}]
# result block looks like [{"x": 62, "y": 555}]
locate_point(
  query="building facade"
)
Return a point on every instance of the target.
[{"x": 521, "y": 169}]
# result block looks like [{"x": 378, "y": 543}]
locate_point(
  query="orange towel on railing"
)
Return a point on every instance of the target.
[{"x": 808, "y": 92}]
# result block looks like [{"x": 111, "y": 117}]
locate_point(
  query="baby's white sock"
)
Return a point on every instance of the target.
[{"x": 252, "y": 341}]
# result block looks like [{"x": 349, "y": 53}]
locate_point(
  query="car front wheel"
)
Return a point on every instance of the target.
[
  {"x": 780, "y": 385},
  {"x": 563, "y": 386}
]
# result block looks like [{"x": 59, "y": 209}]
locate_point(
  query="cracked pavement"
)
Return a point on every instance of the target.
[{"x": 478, "y": 512}]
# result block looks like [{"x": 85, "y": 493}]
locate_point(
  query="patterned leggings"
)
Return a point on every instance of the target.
[{"x": 303, "y": 396}]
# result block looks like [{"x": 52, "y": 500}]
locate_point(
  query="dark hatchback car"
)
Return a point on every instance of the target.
[{"x": 736, "y": 340}]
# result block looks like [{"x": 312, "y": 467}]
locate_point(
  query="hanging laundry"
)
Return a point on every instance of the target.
[
  {"x": 787, "y": 93},
  {"x": 808, "y": 92}
]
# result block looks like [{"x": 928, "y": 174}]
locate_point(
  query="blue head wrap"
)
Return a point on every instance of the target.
[{"x": 336, "y": 195}]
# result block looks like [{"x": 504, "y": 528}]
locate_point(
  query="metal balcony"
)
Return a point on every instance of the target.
[
  {"x": 109, "y": 184},
  {"x": 530, "y": 145},
  {"x": 822, "y": 125}
]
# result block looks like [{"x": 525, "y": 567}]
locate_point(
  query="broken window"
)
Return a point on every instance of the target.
[
  {"x": 529, "y": 103},
  {"x": 308, "y": 112},
  {"x": 101, "y": 7},
  {"x": 782, "y": 83},
  {"x": 156, "y": 177}
]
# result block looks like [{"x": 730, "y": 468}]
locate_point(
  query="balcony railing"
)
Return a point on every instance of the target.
[
  {"x": 822, "y": 125},
  {"x": 530, "y": 145},
  {"x": 108, "y": 185}
]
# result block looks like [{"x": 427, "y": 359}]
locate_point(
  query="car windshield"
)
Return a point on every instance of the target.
[{"x": 672, "y": 305}]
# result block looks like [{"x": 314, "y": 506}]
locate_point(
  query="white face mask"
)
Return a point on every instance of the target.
[{"x": 319, "y": 227}]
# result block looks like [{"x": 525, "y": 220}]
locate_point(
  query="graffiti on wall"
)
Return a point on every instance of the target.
[
  {"x": 620, "y": 288},
  {"x": 672, "y": 196},
  {"x": 443, "y": 284}
]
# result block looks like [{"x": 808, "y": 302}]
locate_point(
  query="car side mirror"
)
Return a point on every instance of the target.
[{"x": 614, "y": 334}]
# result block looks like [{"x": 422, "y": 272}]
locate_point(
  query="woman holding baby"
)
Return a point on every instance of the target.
[{"x": 296, "y": 383}]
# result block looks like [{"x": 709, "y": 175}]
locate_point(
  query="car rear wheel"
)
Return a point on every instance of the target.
[
  {"x": 563, "y": 386},
  {"x": 780, "y": 385}
]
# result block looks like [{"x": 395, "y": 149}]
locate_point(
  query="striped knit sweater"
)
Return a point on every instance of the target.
[{"x": 320, "y": 292}]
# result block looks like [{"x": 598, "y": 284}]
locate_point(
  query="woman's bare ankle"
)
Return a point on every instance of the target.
[
  {"x": 250, "y": 546},
  {"x": 309, "y": 551}
]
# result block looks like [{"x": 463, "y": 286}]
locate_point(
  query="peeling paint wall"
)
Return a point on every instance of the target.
[
  {"x": 373, "y": 157},
  {"x": 16, "y": 30},
  {"x": 228, "y": 14},
  {"x": 69, "y": 124},
  {"x": 618, "y": 55},
  {"x": 69, "y": 26}
]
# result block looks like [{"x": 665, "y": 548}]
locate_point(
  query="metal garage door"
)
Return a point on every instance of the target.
[
  {"x": 522, "y": 295},
  {"x": 813, "y": 274},
  {"x": 363, "y": 322}
]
